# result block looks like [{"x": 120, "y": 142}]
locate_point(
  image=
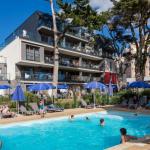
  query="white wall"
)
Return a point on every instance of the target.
[{"x": 12, "y": 52}]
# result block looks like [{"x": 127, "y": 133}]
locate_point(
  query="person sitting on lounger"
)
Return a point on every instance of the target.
[
  {"x": 124, "y": 137},
  {"x": 6, "y": 111}
]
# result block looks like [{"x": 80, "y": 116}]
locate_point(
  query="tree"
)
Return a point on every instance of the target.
[
  {"x": 132, "y": 16},
  {"x": 127, "y": 22},
  {"x": 56, "y": 53}
]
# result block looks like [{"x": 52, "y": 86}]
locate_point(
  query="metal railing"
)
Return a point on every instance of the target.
[
  {"x": 79, "y": 79},
  {"x": 61, "y": 27},
  {"x": 48, "y": 59},
  {"x": 35, "y": 76}
]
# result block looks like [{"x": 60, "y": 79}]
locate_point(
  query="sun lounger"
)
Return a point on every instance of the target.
[
  {"x": 124, "y": 103},
  {"x": 9, "y": 115},
  {"x": 131, "y": 104},
  {"x": 24, "y": 111},
  {"x": 35, "y": 108},
  {"x": 53, "y": 108},
  {"x": 148, "y": 105}
]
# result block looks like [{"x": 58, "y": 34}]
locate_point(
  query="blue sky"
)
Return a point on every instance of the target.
[{"x": 14, "y": 12}]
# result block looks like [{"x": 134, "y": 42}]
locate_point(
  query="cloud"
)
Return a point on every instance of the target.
[{"x": 101, "y": 5}]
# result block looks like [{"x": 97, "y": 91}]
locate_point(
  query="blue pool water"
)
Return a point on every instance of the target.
[{"x": 80, "y": 134}]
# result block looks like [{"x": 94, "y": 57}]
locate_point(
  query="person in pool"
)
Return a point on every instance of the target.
[
  {"x": 87, "y": 118},
  {"x": 71, "y": 117},
  {"x": 102, "y": 122},
  {"x": 125, "y": 137}
]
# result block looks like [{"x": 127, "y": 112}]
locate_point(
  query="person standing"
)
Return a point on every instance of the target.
[{"x": 41, "y": 105}]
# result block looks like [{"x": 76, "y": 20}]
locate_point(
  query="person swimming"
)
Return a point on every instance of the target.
[
  {"x": 102, "y": 122},
  {"x": 71, "y": 117},
  {"x": 124, "y": 137},
  {"x": 87, "y": 118}
]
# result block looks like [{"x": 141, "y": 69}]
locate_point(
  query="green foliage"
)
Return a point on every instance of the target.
[
  {"x": 126, "y": 93},
  {"x": 67, "y": 104},
  {"x": 146, "y": 92},
  {"x": 116, "y": 99},
  {"x": 5, "y": 100},
  {"x": 82, "y": 14},
  {"x": 30, "y": 97}
]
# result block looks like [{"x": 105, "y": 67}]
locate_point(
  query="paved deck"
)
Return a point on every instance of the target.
[{"x": 67, "y": 112}]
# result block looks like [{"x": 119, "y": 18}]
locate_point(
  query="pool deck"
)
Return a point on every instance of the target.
[
  {"x": 67, "y": 112},
  {"x": 140, "y": 145}
]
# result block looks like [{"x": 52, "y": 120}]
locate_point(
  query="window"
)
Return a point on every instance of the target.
[{"x": 32, "y": 53}]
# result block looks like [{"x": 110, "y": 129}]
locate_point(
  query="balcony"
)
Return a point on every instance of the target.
[
  {"x": 77, "y": 48},
  {"x": 28, "y": 36},
  {"x": 35, "y": 76},
  {"x": 69, "y": 62},
  {"x": 48, "y": 59},
  {"x": 78, "y": 79},
  {"x": 90, "y": 66},
  {"x": 49, "y": 26},
  {"x": 78, "y": 35},
  {"x": 43, "y": 26},
  {"x": 73, "y": 78}
]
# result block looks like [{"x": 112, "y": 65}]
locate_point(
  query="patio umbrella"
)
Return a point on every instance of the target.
[
  {"x": 138, "y": 84},
  {"x": 41, "y": 87},
  {"x": 62, "y": 86},
  {"x": 95, "y": 85},
  {"x": 18, "y": 95},
  {"x": 5, "y": 87}
]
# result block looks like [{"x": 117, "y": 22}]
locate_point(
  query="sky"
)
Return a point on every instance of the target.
[{"x": 14, "y": 12}]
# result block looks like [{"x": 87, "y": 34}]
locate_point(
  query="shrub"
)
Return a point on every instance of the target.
[
  {"x": 30, "y": 97},
  {"x": 67, "y": 103},
  {"x": 126, "y": 93},
  {"x": 146, "y": 92},
  {"x": 115, "y": 100}
]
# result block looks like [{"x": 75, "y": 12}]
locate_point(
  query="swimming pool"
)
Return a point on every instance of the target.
[{"x": 79, "y": 134}]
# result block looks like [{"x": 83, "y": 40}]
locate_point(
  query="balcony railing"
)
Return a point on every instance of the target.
[
  {"x": 78, "y": 34},
  {"x": 79, "y": 49},
  {"x": 60, "y": 28},
  {"x": 48, "y": 59},
  {"x": 79, "y": 79},
  {"x": 26, "y": 35},
  {"x": 76, "y": 64},
  {"x": 35, "y": 76}
]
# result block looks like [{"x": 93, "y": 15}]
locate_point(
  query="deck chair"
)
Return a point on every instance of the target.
[
  {"x": 132, "y": 105},
  {"x": 124, "y": 103},
  {"x": 54, "y": 108},
  {"x": 35, "y": 108},
  {"x": 24, "y": 111}
]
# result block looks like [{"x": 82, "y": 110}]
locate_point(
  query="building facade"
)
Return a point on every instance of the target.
[
  {"x": 129, "y": 75},
  {"x": 30, "y": 54}
]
